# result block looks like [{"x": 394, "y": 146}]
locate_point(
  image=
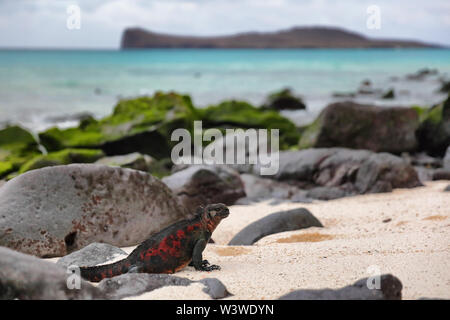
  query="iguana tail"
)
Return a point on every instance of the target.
[{"x": 97, "y": 273}]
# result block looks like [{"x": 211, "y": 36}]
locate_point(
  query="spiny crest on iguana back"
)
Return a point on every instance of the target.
[{"x": 170, "y": 249}]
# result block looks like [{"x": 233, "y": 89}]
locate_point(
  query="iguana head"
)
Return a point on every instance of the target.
[{"x": 212, "y": 214}]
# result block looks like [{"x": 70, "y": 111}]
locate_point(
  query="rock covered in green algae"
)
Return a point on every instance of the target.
[
  {"x": 434, "y": 131},
  {"x": 5, "y": 168},
  {"x": 240, "y": 114},
  {"x": 145, "y": 125},
  {"x": 284, "y": 100},
  {"x": 136, "y": 125},
  {"x": 17, "y": 145},
  {"x": 66, "y": 156}
]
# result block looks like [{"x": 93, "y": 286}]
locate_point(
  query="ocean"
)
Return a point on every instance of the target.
[{"x": 38, "y": 87}]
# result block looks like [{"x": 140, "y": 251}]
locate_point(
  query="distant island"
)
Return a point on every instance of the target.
[{"x": 298, "y": 37}]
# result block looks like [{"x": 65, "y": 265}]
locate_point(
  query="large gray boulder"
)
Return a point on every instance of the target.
[
  {"x": 390, "y": 289},
  {"x": 357, "y": 126},
  {"x": 27, "y": 277},
  {"x": 54, "y": 211},
  {"x": 200, "y": 185}
]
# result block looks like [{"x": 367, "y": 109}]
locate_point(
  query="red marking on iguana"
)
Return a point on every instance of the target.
[{"x": 168, "y": 250}]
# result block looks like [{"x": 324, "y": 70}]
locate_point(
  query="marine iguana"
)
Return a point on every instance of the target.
[{"x": 168, "y": 250}]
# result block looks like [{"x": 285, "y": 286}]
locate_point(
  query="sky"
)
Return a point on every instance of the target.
[{"x": 43, "y": 23}]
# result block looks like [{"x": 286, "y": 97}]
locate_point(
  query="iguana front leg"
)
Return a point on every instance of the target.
[{"x": 197, "y": 259}]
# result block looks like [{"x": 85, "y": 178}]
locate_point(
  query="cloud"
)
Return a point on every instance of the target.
[{"x": 43, "y": 22}]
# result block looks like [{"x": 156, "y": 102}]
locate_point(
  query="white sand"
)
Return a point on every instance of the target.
[{"x": 414, "y": 246}]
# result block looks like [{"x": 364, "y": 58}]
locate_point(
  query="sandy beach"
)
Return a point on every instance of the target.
[{"x": 405, "y": 233}]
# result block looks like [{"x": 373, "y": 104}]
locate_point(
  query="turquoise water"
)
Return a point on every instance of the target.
[{"x": 37, "y": 84}]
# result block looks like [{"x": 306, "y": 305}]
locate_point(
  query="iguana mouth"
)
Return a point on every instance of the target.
[{"x": 224, "y": 213}]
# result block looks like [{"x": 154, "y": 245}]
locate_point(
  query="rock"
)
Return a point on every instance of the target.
[
  {"x": 241, "y": 115},
  {"x": 66, "y": 156},
  {"x": 344, "y": 94},
  {"x": 446, "y": 160},
  {"x": 424, "y": 174},
  {"x": 26, "y": 277},
  {"x": 244, "y": 201},
  {"x": 276, "y": 222},
  {"x": 445, "y": 87},
  {"x": 433, "y": 133},
  {"x": 424, "y": 165},
  {"x": 91, "y": 255},
  {"x": 367, "y": 91},
  {"x": 258, "y": 188},
  {"x": 17, "y": 145},
  {"x": 358, "y": 126},
  {"x": 145, "y": 125},
  {"x": 233, "y": 145},
  {"x": 447, "y": 189},
  {"x": 366, "y": 87},
  {"x": 441, "y": 174},
  {"x": 80, "y": 116},
  {"x": 423, "y": 160},
  {"x": 201, "y": 185},
  {"x": 284, "y": 100},
  {"x": 326, "y": 193},
  {"x": 391, "y": 289},
  {"x": 134, "y": 284},
  {"x": 142, "y": 125},
  {"x": 215, "y": 288},
  {"x": 6, "y": 168},
  {"x": 135, "y": 160},
  {"x": 389, "y": 94},
  {"x": 353, "y": 171},
  {"x": 422, "y": 74},
  {"x": 53, "y": 211}
]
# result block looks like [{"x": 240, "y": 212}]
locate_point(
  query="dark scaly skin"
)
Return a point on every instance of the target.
[{"x": 169, "y": 250}]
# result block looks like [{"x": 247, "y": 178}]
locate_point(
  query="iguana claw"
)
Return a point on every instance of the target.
[{"x": 209, "y": 268}]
